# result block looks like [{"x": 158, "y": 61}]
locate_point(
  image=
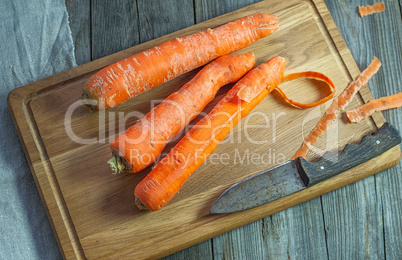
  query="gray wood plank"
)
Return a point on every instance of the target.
[
  {"x": 157, "y": 18},
  {"x": 207, "y": 9},
  {"x": 353, "y": 222},
  {"x": 114, "y": 26},
  {"x": 295, "y": 233},
  {"x": 389, "y": 183},
  {"x": 362, "y": 220},
  {"x": 239, "y": 244},
  {"x": 199, "y": 251},
  {"x": 80, "y": 24}
]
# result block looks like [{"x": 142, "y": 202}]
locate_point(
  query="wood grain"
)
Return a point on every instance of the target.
[
  {"x": 113, "y": 26},
  {"x": 207, "y": 9},
  {"x": 178, "y": 15},
  {"x": 92, "y": 211},
  {"x": 80, "y": 24}
]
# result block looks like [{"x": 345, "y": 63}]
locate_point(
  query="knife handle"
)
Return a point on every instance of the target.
[{"x": 331, "y": 164}]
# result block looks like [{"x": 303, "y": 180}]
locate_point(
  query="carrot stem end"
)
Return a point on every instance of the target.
[
  {"x": 118, "y": 164},
  {"x": 86, "y": 96},
  {"x": 139, "y": 204}
]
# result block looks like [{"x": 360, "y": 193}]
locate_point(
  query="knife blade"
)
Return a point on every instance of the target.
[{"x": 299, "y": 174}]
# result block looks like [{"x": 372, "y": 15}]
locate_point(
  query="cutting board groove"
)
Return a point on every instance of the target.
[{"x": 92, "y": 211}]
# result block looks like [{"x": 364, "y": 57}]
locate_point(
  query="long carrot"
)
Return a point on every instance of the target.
[
  {"x": 166, "y": 178},
  {"x": 130, "y": 77},
  {"x": 366, "y": 110},
  {"x": 337, "y": 105},
  {"x": 370, "y": 9},
  {"x": 141, "y": 144}
]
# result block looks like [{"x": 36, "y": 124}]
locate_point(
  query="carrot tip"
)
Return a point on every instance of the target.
[
  {"x": 118, "y": 164},
  {"x": 87, "y": 96},
  {"x": 139, "y": 204}
]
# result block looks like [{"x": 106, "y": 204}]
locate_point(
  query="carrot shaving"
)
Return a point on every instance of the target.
[
  {"x": 366, "y": 110},
  {"x": 337, "y": 105},
  {"x": 249, "y": 93},
  {"x": 370, "y": 9},
  {"x": 311, "y": 75}
]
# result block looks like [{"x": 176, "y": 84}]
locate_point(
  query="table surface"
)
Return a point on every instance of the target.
[{"x": 361, "y": 220}]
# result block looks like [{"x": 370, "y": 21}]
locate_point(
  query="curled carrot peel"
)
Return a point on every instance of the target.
[
  {"x": 141, "y": 144},
  {"x": 130, "y": 77},
  {"x": 167, "y": 177},
  {"x": 247, "y": 93},
  {"x": 366, "y": 110},
  {"x": 337, "y": 105},
  {"x": 370, "y": 9},
  {"x": 311, "y": 75}
]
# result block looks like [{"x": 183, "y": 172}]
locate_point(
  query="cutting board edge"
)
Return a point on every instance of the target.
[{"x": 65, "y": 234}]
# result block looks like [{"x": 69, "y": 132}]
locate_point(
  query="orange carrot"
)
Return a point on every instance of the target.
[
  {"x": 337, "y": 105},
  {"x": 166, "y": 178},
  {"x": 130, "y": 77},
  {"x": 366, "y": 110},
  {"x": 141, "y": 144},
  {"x": 370, "y": 9}
]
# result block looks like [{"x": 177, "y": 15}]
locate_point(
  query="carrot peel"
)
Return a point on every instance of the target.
[
  {"x": 366, "y": 110},
  {"x": 248, "y": 93},
  {"x": 312, "y": 75},
  {"x": 337, "y": 105},
  {"x": 371, "y": 9}
]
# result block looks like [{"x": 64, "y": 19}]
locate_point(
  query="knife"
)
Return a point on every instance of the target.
[{"x": 299, "y": 174}]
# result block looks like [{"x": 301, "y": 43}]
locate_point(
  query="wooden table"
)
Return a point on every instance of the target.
[{"x": 361, "y": 220}]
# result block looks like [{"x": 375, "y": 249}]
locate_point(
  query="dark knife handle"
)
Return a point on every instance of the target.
[{"x": 331, "y": 164}]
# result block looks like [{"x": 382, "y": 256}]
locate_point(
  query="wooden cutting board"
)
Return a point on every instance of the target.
[{"x": 93, "y": 212}]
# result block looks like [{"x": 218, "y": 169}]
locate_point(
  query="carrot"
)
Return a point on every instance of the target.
[
  {"x": 166, "y": 178},
  {"x": 337, "y": 105},
  {"x": 366, "y": 110},
  {"x": 143, "y": 142},
  {"x": 370, "y": 9},
  {"x": 130, "y": 77}
]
